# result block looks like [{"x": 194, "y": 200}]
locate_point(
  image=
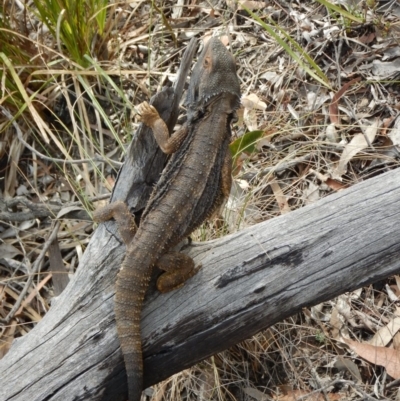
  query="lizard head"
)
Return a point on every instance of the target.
[{"x": 214, "y": 74}]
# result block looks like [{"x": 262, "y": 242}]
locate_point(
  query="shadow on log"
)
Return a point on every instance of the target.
[{"x": 249, "y": 281}]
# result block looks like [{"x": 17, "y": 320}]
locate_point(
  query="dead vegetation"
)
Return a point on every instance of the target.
[{"x": 320, "y": 112}]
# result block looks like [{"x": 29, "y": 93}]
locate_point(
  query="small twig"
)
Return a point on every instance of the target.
[
  {"x": 394, "y": 383},
  {"x": 14, "y": 265},
  {"x": 37, "y": 210},
  {"x": 358, "y": 122},
  {"x": 366, "y": 396},
  {"x": 356, "y": 388},
  {"x": 279, "y": 168},
  {"x": 323, "y": 389},
  {"x": 35, "y": 268}
]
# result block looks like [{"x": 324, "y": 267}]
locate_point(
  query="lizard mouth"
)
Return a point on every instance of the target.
[{"x": 218, "y": 95}]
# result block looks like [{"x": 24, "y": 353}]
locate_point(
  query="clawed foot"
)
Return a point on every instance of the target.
[
  {"x": 147, "y": 114},
  {"x": 150, "y": 117}
]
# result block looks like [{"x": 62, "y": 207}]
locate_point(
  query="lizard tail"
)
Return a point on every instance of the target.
[{"x": 130, "y": 290}]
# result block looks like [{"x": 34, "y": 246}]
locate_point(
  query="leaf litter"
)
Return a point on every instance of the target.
[{"x": 297, "y": 140}]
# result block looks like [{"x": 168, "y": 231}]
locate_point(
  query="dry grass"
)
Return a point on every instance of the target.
[{"x": 311, "y": 124}]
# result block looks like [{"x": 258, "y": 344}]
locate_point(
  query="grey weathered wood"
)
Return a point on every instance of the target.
[{"x": 249, "y": 281}]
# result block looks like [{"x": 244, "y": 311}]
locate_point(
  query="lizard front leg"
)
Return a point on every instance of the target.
[{"x": 150, "y": 117}]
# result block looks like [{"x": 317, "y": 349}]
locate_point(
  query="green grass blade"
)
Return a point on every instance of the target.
[
  {"x": 341, "y": 11},
  {"x": 299, "y": 55}
]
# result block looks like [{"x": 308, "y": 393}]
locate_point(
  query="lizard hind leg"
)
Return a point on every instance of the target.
[
  {"x": 121, "y": 214},
  {"x": 178, "y": 268}
]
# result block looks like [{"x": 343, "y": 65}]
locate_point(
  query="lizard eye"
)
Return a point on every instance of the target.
[{"x": 207, "y": 62}]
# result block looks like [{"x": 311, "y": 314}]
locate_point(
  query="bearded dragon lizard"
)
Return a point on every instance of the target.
[{"x": 193, "y": 185}]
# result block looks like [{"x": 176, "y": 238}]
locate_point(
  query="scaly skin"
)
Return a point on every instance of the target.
[{"x": 193, "y": 186}]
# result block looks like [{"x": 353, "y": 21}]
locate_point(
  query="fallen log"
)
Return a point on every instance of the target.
[{"x": 249, "y": 281}]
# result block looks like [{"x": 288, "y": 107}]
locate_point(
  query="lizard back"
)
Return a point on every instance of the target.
[{"x": 193, "y": 184}]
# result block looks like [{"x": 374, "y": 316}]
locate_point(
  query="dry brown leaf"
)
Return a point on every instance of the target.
[
  {"x": 385, "y": 334},
  {"x": 279, "y": 196},
  {"x": 336, "y": 323},
  {"x": 391, "y": 294},
  {"x": 318, "y": 313},
  {"x": 256, "y": 394},
  {"x": 367, "y": 38},
  {"x": 331, "y": 134},
  {"x": 334, "y": 107},
  {"x": 346, "y": 364},
  {"x": 295, "y": 394},
  {"x": 68, "y": 209},
  {"x": 396, "y": 341},
  {"x": 320, "y": 176},
  {"x": 7, "y": 338},
  {"x": 385, "y": 70},
  {"x": 357, "y": 144},
  {"x": 207, "y": 385},
  {"x": 316, "y": 101},
  {"x": 335, "y": 185},
  {"x": 15, "y": 152},
  {"x": 311, "y": 193},
  {"x": 293, "y": 112},
  {"x": 177, "y": 9},
  {"x": 394, "y": 133},
  {"x": 265, "y": 141},
  {"x": 250, "y": 119},
  {"x": 397, "y": 278},
  {"x": 9, "y": 251},
  {"x": 252, "y": 5},
  {"x": 380, "y": 300},
  {"x": 389, "y": 358},
  {"x": 252, "y": 101},
  {"x": 386, "y": 122}
]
